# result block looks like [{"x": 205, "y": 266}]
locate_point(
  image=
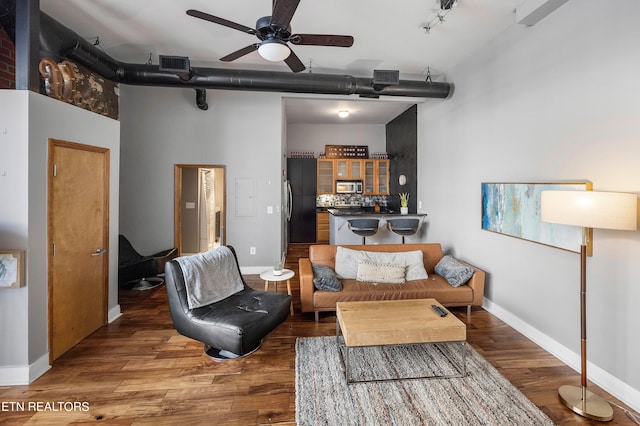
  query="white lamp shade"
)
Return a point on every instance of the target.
[
  {"x": 590, "y": 209},
  {"x": 274, "y": 50}
]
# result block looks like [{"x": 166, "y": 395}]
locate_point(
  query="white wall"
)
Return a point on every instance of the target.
[
  {"x": 14, "y": 230},
  {"x": 27, "y": 121},
  {"x": 241, "y": 130},
  {"x": 314, "y": 137},
  {"x": 557, "y": 101}
]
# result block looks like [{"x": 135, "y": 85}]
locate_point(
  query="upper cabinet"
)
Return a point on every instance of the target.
[
  {"x": 325, "y": 179},
  {"x": 373, "y": 173},
  {"x": 376, "y": 177},
  {"x": 348, "y": 169}
]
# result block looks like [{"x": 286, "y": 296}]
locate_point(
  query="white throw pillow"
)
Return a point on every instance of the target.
[
  {"x": 380, "y": 273},
  {"x": 346, "y": 263},
  {"x": 413, "y": 260}
]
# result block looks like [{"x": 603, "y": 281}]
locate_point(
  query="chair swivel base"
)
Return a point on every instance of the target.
[
  {"x": 145, "y": 283},
  {"x": 222, "y": 355}
]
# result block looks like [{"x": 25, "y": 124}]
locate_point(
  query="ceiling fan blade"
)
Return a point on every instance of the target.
[
  {"x": 322, "y": 40},
  {"x": 283, "y": 11},
  {"x": 294, "y": 62},
  {"x": 239, "y": 53},
  {"x": 220, "y": 21}
]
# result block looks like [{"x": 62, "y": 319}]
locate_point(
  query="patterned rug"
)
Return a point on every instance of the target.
[{"x": 482, "y": 397}]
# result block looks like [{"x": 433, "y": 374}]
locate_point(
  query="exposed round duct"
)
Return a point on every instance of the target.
[{"x": 59, "y": 42}]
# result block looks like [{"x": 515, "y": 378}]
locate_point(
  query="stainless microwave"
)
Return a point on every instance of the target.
[{"x": 348, "y": 187}]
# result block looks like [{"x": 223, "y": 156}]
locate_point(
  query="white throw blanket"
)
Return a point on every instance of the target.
[{"x": 210, "y": 277}]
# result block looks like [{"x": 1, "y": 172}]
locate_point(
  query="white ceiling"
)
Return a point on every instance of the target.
[
  {"x": 361, "y": 111},
  {"x": 387, "y": 35}
]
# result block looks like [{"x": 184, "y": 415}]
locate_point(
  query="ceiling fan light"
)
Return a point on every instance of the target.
[
  {"x": 343, "y": 113},
  {"x": 274, "y": 50}
]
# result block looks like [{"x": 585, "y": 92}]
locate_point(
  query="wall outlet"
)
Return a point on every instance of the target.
[
  {"x": 419, "y": 204},
  {"x": 252, "y": 250}
]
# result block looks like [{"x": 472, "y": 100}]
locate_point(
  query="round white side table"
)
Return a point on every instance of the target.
[{"x": 268, "y": 277}]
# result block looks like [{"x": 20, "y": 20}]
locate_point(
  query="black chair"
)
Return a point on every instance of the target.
[
  {"x": 133, "y": 266},
  {"x": 231, "y": 327},
  {"x": 403, "y": 226},
  {"x": 364, "y": 227}
]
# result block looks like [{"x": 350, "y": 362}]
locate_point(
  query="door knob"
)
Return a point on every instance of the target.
[{"x": 99, "y": 251}]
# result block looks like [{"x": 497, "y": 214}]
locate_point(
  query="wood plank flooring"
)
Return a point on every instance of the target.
[{"x": 139, "y": 371}]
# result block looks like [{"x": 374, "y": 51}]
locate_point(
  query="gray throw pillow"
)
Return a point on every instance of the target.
[
  {"x": 453, "y": 271},
  {"x": 324, "y": 278}
]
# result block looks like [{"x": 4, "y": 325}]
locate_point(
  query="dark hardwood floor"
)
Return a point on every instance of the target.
[{"x": 138, "y": 371}]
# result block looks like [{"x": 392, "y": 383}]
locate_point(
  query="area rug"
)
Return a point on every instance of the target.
[{"x": 482, "y": 397}]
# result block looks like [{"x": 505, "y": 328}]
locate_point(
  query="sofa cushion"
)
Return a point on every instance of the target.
[
  {"x": 324, "y": 278},
  {"x": 453, "y": 271},
  {"x": 412, "y": 260},
  {"x": 380, "y": 272}
]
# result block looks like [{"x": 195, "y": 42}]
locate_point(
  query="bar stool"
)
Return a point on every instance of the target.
[
  {"x": 364, "y": 227},
  {"x": 403, "y": 227}
]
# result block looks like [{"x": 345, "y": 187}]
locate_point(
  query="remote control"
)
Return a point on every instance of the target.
[{"x": 439, "y": 310}]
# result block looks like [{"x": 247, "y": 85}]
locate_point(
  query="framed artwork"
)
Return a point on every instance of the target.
[
  {"x": 11, "y": 268},
  {"x": 513, "y": 209}
]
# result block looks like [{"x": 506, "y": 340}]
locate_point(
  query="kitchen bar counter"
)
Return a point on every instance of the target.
[
  {"x": 341, "y": 234},
  {"x": 360, "y": 211}
]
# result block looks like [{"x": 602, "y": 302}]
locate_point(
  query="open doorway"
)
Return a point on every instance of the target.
[{"x": 199, "y": 207}]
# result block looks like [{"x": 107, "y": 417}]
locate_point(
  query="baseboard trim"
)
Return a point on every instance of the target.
[
  {"x": 114, "y": 314},
  {"x": 24, "y": 375},
  {"x": 600, "y": 377}
]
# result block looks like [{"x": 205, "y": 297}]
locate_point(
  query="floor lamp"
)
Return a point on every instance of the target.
[{"x": 588, "y": 209}]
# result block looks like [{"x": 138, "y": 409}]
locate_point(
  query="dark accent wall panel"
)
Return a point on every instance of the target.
[{"x": 402, "y": 147}]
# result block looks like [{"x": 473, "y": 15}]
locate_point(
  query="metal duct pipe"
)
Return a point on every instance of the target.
[
  {"x": 201, "y": 99},
  {"x": 59, "y": 41}
]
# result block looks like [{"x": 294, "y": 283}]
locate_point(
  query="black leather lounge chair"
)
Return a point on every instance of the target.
[
  {"x": 231, "y": 327},
  {"x": 134, "y": 266}
]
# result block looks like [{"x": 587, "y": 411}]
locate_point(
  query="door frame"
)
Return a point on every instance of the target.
[
  {"x": 54, "y": 143},
  {"x": 177, "y": 201}
]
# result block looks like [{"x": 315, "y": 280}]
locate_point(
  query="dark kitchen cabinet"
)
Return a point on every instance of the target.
[{"x": 301, "y": 173}]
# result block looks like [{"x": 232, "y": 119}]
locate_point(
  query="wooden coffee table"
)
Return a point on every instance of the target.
[{"x": 396, "y": 322}]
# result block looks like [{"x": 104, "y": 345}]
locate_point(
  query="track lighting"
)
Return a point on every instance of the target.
[
  {"x": 438, "y": 14},
  {"x": 447, "y": 4}
]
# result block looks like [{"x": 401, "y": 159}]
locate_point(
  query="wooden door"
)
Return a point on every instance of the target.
[{"x": 78, "y": 243}]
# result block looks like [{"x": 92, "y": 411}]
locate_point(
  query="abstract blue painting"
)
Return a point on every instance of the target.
[{"x": 514, "y": 209}]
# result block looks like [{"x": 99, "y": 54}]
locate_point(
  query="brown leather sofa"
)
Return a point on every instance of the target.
[{"x": 435, "y": 286}]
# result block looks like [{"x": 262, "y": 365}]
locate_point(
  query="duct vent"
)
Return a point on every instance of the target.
[
  {"x": 177, "y": 64},
  {"x": 386, "y": 77}
]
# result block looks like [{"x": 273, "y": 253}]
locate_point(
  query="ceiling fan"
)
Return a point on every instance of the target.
[{"x": 274, "y": 33}]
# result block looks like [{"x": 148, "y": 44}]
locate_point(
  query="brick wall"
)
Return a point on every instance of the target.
[{"x": 7, "y": 61}]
